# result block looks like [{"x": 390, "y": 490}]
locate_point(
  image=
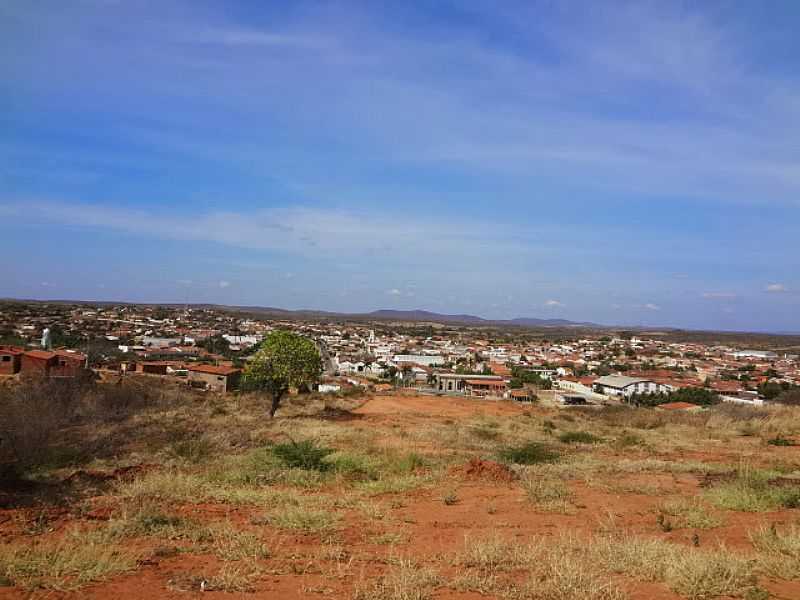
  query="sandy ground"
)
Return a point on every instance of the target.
[{"x": 427, "y": 526}]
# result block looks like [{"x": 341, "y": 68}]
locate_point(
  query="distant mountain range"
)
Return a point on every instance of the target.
[
  {"x": 411, "y": 316},
  {"x": 424, "y": 315}
]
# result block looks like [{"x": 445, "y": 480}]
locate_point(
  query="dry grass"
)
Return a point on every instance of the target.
[
  {"x": 492, "y": 554},
  {"x": 752, "y": 490},
  {"x": 778, "y": 551},
  {"x": 303, "y": 519},
  {"x": 690, "y": 572},
  {"x": 406, "y": 581},
  {"x": 688, "y": 513},
  {"x": 547, "y": 493},
  {"x": 78, "y": 558},
  {"x": 410, "y": 462}
]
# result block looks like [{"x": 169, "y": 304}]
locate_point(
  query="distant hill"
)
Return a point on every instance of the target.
[
  {"x": 414, "y": 316},
  {"x": 424, "y": 315}
]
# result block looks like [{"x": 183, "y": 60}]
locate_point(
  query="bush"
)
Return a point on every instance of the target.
[
  {"x": 779, "y": 440},
  {"x": 303, "y": 455},
  {"x": 579, "y": 437},
  {"x": 528, "y": 454},
  {"x": 31, "y": 415},
  {"x": 193, "y": 450}
]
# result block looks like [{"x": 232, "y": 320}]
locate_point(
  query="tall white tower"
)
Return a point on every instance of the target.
[{"x": 46, "y": 342}]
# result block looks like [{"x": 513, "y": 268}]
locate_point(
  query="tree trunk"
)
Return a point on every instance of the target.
[{"x": 276, "y": 402}]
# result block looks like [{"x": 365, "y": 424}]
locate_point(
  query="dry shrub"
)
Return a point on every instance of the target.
[{"x": 31, "y": 415}]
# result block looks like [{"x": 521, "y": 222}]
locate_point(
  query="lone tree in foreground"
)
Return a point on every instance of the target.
[{"x": 285, "y": 360}]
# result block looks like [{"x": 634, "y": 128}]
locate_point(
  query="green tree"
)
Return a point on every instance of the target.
[{"x": 285, "y": 360}]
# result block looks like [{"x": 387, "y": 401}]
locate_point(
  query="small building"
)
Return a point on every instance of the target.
[
  {"x": 620, "y": 385},
  {"x": 522, "y": 395},
  {"x": 37, "y": 363},
  {"x": 153, "y": 368},
  {"x": 485, "y": 387},
  {"x": 426, "y": 360},
  {"x": 572, "y": 400},
  {"x": 214, "y": 378},
  {"x": 10, "y": 360},
  {"x": 457, "y": 382},
  {"x": 68, "y": 363}
]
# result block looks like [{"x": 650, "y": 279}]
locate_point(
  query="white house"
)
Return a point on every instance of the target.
[
  {"x": 433, "y": 360},
  {"x": 621, "y": 385}
]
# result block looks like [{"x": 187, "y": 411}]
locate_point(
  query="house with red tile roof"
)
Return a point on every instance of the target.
[
  {"x": 221, "y": 379},
  {"x": 10, "y": 359}
]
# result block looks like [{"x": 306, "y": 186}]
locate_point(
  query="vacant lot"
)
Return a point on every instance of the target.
[{"x": 402, "y": 497}]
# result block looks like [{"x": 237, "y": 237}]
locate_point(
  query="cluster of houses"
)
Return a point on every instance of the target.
[
  {"x": 48, "y": 363},
  {"x": 206, "y": 347}
]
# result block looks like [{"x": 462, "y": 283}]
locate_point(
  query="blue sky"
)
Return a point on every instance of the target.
[{"x": 625, "y": 163}]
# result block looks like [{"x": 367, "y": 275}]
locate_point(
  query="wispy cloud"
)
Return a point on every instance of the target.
[
  {"x": 302, "y": 231},
  {"x": 719, "y": 295},
  {"x": 776, "y": 288}
]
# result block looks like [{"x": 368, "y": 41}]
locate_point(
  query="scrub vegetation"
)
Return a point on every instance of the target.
[{"x": 159, "y": 491}]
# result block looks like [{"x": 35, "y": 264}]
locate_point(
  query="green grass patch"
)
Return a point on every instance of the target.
[
  {"x": 531, "y": 453},
  {"x": 752, "y": 490},
  {"x": 579, "y": 437},
  {"x": 306, "y": 454}
]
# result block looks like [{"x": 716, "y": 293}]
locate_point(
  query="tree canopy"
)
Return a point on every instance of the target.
[{"x": 284, "y": 360}]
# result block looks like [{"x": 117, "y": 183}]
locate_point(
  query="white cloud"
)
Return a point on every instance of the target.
[
  {"x": 394, "y": 292},
  {"x": 776, "y": 288},
  {"x": 651, "y": 306},
  {"x": 553, "y": 303},
  {"x": 718, "y": 295},
  {"x": 303, "y": 231},
  {"x": 224, "y": 284}
]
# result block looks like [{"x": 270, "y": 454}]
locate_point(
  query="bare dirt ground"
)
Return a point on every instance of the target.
[
  {"x": 402, "y": 405},
  {"x": 421, "y": 500}
]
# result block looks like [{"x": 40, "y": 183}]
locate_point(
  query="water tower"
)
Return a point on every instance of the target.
[{"x": 47, "y": 343}]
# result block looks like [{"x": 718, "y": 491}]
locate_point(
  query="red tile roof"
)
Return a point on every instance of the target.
[
  {"x": 40, "y": 354},
  {"x": 13, "y": 350}
]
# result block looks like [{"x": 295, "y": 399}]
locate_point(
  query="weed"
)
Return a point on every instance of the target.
[
  {"x": 752, "y": 490},
  {"x": 492, "y": 554},
  {"x": 530, "y": 453},
  {"x": 628, "y": 440},
  {"x": 689, "y": 513},
  {"x": 234, "y": 578},
  {"x": 486, "y": 431},
  {"x": 76, "y": 559},
  {"x": 388, "y": 539},
  {"x": 305, "y": 454},
  {"x": 664, "y": 523},
  {"x": 234, "y": 545},
  {"x": 193, "y": 450},
  {"x": 779, "y": 551},
  {"x": 694, "y": 574},
  {"x": 547, "y": 493},
  {"x": 779, "y": 440},
  {"x": 406, "y": 582},
  {"x": 579, "y": 437},
  {"x": 311, "y": 521}
]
